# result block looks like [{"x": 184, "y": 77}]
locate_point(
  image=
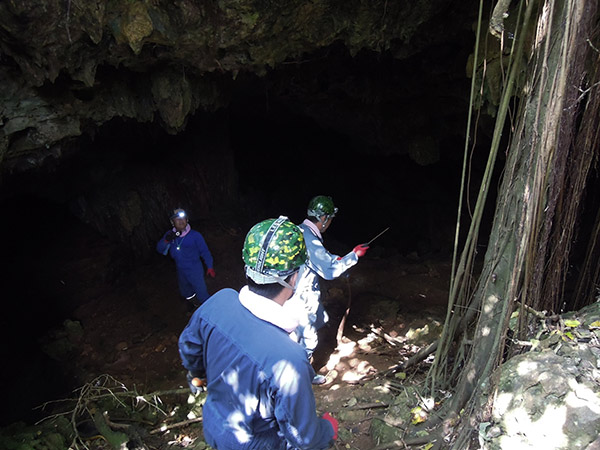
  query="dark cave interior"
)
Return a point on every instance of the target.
[{"x": 267, "y": 155}]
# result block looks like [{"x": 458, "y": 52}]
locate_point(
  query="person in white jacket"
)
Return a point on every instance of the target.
[{"x": 320, "y": 264}]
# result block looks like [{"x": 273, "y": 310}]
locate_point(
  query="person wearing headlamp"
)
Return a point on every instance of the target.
[{"x": 188, "y": 249}]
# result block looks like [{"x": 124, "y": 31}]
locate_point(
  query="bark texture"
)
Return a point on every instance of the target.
[{"x": 532, "y": 210}]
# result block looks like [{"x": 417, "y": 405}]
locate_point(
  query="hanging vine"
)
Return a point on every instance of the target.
[{"x": 536, "y": 211}]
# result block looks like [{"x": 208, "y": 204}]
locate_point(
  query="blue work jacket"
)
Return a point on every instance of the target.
[
  {"x": 259, "y": 391},
  {"x": 187, "y": 251}
]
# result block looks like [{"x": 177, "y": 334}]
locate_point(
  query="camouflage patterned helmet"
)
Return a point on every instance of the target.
[
  {"x": 321, "y": 205},
  {"x": 273, "y": 250}
]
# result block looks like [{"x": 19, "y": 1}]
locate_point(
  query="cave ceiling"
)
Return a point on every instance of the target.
[{"x": 365, "y": 69}]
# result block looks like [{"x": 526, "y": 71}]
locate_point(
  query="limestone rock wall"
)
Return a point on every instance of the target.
[{"x": 70, "y": 66}]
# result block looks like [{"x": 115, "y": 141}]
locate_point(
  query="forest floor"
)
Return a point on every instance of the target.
[{"x": 128, "y": 330}]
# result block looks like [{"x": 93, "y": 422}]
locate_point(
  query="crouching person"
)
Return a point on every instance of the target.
[{"x": 258, "y": 380}]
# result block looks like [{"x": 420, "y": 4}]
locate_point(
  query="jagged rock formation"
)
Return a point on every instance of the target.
[{"x": 70, "y": 66}]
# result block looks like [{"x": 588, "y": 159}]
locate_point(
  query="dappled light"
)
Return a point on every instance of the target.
[
  {"x": 548, "y": 397},
  {"x": 471, "y": 375},
  {"x": 236, "y": 422},
  {"x": 286, "y": 377},
  {"x": 546, "y": 431},
  {"x": 581, "y": 396},
  {"x": 357, "y": 370},
  {"x": 489, "y": 304},
  {"x": 350, "y": 362},
  {"x": 345, "y": 362},
  {"x": 526, "y": 367},
  {"x": 384, "y": 388},
  {"x": 251, "y": 404},
  {"x": 231, "y": 377}
]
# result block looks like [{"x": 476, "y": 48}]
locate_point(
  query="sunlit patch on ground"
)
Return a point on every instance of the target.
[
  {"x": 345, "y": 361},
  {"x": 182, "y": 440}
]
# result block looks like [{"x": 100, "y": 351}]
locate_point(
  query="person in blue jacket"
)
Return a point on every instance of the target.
[
  {"x": 257, "y": 378},
  {"x": 189, "y": 250},
  {"x": 320, "y": 264}
]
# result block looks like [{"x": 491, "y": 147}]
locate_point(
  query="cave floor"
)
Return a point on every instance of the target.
[{"x": 397, "y": 305}]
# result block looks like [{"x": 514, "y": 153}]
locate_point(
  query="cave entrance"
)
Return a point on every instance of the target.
[{"x": 94, "y": 218}]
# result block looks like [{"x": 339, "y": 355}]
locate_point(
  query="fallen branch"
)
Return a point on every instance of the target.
[
  {"x": 413, "y": 360},
  {"x": 106, "y": 387},
  {"x": 131, "y": 394},
  {"x": 116, "y": 439},
  {"x": 175, "y": 425},
  {"x": 394, "y": 342},
  {"x": 364, "y": 419},
  {"x": 367, "y": 406},
  {"x": 530, "y": 310},
  {"x": 114, "y": 425}
]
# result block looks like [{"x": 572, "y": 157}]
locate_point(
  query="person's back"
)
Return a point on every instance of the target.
[{"x": 258, "y": 380}]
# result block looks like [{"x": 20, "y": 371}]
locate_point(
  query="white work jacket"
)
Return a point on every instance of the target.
[{"x": 320, "y": 264}]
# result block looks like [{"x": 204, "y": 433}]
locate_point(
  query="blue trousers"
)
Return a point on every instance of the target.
[{"x": 191, "y": 281}]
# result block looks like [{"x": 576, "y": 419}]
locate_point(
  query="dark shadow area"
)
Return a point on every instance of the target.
[
  {"x": 293, "y": 159},
  {"x": 39, "y": 241}
]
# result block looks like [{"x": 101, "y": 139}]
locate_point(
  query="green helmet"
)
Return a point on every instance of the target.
[
  {"x": 321, "y": 205},
  {"x": 273, "y": 250}
]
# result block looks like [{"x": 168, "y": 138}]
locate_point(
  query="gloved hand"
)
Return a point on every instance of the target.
[
  {"x": 196, "y": 383},
  {"x": 170, "y": 236},
  {"x": 333, "y": 422},
  {"x": 211, "y": 272},
  {"x": 360, "y": 250}
]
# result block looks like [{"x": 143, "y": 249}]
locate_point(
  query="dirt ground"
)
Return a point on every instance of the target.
[{"x": 131, "y": 325}]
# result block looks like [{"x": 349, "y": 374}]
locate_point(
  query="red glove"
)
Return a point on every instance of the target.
[
  {"x": 333, "y": 422},
  {"x": 211, "y": 272},
  {"x": 360, "y": 250}
]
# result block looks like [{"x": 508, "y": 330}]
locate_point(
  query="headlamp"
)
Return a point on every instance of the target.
[{"x": 179, "y": 214}]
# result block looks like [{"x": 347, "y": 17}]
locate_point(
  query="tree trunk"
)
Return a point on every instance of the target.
[{"x": 518, "y": 257}]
